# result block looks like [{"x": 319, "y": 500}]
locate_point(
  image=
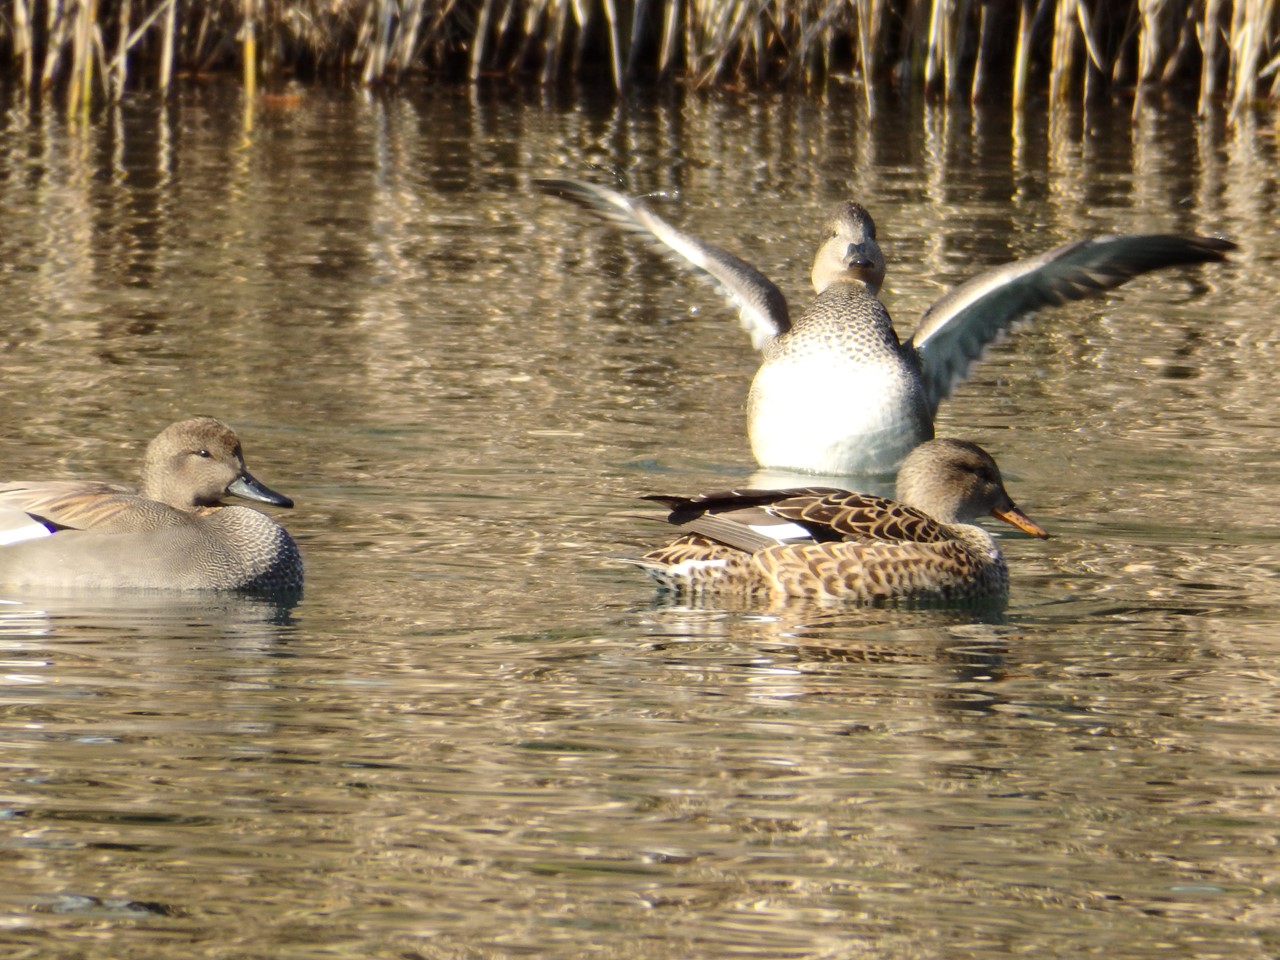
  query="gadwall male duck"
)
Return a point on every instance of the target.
[
  {"x": 837, "y": 392},
  {"x": 173, "y": 533},
  {"x": 823, "y": 543}
]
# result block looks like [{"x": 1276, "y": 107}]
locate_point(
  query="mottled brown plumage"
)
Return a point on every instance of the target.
[
  {"x": 172, "y": 533},
  {"x": 820, "y": 542}
]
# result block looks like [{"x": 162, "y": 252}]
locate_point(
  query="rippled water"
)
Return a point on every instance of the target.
[{"x": 475, "y": 736}]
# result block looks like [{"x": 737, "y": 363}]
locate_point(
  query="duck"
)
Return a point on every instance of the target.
[
  {"x": 838, "y": 392},
  {"x": 825, "y": 543},
  {"x": 174, "y": 532}
]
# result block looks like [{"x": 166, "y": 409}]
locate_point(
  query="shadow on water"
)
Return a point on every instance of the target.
[{"x": 147, "y": 613}]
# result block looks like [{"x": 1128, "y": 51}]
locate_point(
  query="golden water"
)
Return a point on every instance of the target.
[{"x": 474, "y": 736}]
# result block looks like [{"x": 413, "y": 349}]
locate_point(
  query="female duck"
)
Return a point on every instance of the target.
[
  {"x": 823, "y": 543},
  {"x": 837, "y": 392}
]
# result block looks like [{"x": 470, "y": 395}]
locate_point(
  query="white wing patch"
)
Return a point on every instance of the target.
[
  {"x": 782, "y": 532},
  {"x": 18, "y": 527}
]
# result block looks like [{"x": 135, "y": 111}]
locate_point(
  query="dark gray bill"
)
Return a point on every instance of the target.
[{"x": 249, "y": 488}]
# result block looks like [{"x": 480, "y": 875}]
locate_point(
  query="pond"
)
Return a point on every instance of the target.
[{"x": 477, "y": 734}]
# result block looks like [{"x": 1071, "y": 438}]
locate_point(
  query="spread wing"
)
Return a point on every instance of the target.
[
  {"x": 958, "y": 328},
  {"x": 762, "y": 309}
]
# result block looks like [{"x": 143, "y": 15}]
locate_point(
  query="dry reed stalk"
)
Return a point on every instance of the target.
[
  {"x": 689, "y": 47},
  {"x": 1094, "y": 60},
  {"x": 118, "y": 69},
  {"x": 249, "y": 48},
  {"x": 957, "y": 38},
  {"x": 56, "y": 42},
  {"x": 560, "y": 19},
  {"x": 1247, "y": 46},
  {"x": 636, "y": 36},
  {"x": 1022, "y": 56},
  {"x": 869, "y": 19},
  {"x": 816, "y": 45},
  {"x": 1149, "y": 29},
  {"x": 1186, "y": 41},
  {"x": 670, "y": 37},
  {"x": 23, "y": 42},
  {"x": 933, "y": 59},
  {"x": 947, "y": 22},
  {"x": 1064, "y": 50},
  {"x": 165, "y": 73},
  {"x": 582, "y": 19},
  {"x": 615, "y": 44},
  {"x": 377, "y": 40},
  {"x": 978, "y": 87},
  {"x": 200, "y": 38},
  {"x": 478, "y": 41},
  {"x": 55, "y": 34},
  {"x": 84, "y": 34},
  {"x": 1209, "y": 31},
  {"x": 726, "y": 37},
  {"x": 411, "y": 21},
  {"x": 527, "y": 25}
]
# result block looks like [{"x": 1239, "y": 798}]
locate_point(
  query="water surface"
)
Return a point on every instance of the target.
[{"x": 475, "y": 736}]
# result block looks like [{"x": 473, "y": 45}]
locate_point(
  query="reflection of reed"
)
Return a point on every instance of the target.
[
  {"x": 957, "y": 49},
  {"x": 440, "y": 212}
]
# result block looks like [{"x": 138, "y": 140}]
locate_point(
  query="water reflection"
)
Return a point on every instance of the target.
[
  {"x": 475, "y": 737},
  {"x": 143, "y": 612}
]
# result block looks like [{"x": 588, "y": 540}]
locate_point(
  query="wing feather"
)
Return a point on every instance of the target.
[
  {"x": 762, "y": 309},
  {"x": 955, "y": 332},
  {"x": 77, "y": 504}
]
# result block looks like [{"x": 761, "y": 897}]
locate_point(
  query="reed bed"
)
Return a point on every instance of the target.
[{"x": 1217, "y": 51}]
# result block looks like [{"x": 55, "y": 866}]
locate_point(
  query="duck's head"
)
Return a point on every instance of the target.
[
  {"x": 198, "y": 463},
  {"x": 955, "y": 481},
  {"x": 849, "y": 252}
]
